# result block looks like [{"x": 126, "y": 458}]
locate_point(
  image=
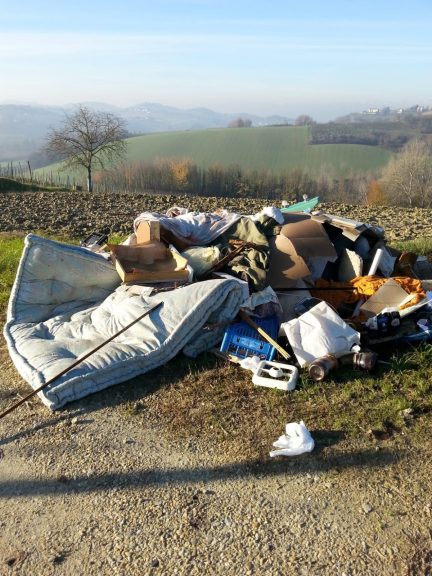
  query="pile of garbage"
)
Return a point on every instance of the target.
[
  {"x": 277, "y": 292},
  {"x": 320, "y": 291}
]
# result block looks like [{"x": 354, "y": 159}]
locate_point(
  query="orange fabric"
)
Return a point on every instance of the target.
[{"x": 364, "y": 286}]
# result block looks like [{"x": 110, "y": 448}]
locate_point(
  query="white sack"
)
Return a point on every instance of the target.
[{"x": 318, "y": 332}]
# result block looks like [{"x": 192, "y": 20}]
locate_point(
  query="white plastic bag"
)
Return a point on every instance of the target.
[
  {"x": 318, "y": 332},
  {"x": 296, "y": 440}
]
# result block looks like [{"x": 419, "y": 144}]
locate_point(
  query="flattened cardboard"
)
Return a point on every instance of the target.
[
  {"x": 286, "y": 267},
  {"x": 390, "y": 295},
  {"x": 302, "y": 249},
  {"x": 309, "y": 239}
]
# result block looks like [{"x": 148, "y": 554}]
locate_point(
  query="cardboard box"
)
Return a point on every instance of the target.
[
  {"x": 132, "y": 267},
  {"x": 148, "y": 231},
  {"x": 143, "y": 253},
  {"x": 301, "y": 250}
]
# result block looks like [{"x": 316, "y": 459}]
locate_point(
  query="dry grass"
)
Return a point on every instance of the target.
[{"x": 208, "y": 397}]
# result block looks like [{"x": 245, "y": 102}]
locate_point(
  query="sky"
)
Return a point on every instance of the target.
[{"x": 319, "y": 57}]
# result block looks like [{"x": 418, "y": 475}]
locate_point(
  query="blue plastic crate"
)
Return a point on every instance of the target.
[{"x": 242, "y": 340}]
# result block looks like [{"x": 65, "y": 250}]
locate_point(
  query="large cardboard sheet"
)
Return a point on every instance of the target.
[{"x": 301, "y": 250}]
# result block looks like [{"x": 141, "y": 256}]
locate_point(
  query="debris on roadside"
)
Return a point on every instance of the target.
[
  {"x": 296, "y": 440},
  {"x": 295, "y": 291}
]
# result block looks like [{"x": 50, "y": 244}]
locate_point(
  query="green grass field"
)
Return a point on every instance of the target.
[
  {"x": 11, "y": 185},
  {"x": 277, "y": 149},
  {"x": 274, "y": 149}
]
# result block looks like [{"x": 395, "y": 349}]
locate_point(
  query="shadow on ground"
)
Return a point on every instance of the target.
[{"x": 177, "y": 476}]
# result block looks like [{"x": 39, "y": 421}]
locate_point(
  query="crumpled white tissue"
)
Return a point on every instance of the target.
[
  {"x": 250, "y": 363},
  {"x": 296, "y": 440}
]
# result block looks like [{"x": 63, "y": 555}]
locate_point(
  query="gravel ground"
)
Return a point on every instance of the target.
[{"x": 93, "y": 490}]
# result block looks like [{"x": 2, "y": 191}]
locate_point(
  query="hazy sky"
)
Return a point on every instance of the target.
[{"x": 319, "y": 57}]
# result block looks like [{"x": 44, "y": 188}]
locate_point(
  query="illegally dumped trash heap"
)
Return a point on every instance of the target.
[
  {"x": 277, "y": 292},
  {"x": 329, "y": 286}
]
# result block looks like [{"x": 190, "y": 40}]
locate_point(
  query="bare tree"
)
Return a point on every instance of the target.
[
  {"x": 89, "y": 139},
  {"x": 407, "y": 178},
  {"x": 304, "y": 120},
  {"x": 240, "y": 123}
]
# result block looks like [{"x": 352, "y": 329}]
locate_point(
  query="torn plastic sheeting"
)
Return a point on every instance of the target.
[
  {"x": 202, "y": 258},
  {"x": 318, "y": 332},
  {"x": 296, "y": 440}
]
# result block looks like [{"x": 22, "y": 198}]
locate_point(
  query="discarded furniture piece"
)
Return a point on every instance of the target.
[{"x": 65, "y": 296}]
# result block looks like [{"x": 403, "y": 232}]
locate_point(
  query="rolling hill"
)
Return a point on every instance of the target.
[{"x": 276, "y": 149}]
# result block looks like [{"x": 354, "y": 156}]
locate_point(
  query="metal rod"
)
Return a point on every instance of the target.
[
  {"x": 318, "y": 289},
  {"x": 79, "y": 360}
]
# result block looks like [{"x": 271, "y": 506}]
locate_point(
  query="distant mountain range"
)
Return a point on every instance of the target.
[{"x": 23, "y": 127}]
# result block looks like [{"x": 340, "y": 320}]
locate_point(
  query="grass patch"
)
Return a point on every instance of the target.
[
  {"x": 420, "y": 245},
  {"x": 10, "y": 251},
  {"x": 273, "y": 149},
  {"x": 207, "y": 397},
  {"x": 12, "y": 185}
]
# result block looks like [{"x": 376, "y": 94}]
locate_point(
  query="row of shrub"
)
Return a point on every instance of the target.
[{"x": 185, "y": 177}]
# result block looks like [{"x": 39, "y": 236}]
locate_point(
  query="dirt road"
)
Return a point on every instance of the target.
[{"x": 91, "y": 490}]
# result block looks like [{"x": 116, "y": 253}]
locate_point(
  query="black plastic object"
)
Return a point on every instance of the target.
[
  {"x": 94, "y": 238},
  {"x": 305, "y": 305}
]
